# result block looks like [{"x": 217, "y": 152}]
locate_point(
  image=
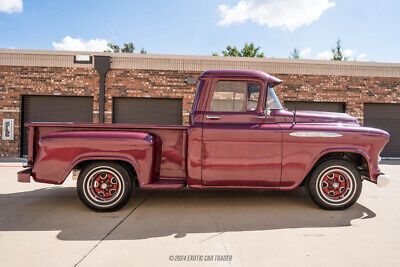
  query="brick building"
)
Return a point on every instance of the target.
[{"x": 40, "y": 85}]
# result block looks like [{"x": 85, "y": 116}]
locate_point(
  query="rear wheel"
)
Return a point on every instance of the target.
[
  {"x": 334, "y": 184},
  {"x": 104, "y": 186}
]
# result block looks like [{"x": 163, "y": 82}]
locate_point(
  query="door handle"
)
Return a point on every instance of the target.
[{"x": 212, "y": 117}]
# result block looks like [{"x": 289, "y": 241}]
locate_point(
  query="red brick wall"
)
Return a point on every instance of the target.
[
  {"x": 354, "y": 91},
  {"x": 17, "y": 81},
  {"x": 150, "y": 83}
]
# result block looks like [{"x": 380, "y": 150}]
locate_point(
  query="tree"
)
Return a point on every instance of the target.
[
  {"x": 113, "y": 48},
  {"x": 128, "y": 48},
  {"x": 295, "y": 54},
  {"x": 337, "y": 53},
  {"x": 231, "y": 52},
  {"x": 249, "y": 50}
]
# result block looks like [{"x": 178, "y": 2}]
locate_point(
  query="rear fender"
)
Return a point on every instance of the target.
[{"x": 60, "y": 152}]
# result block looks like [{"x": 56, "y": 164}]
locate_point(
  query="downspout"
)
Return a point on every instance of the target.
[{"x": 102, "y": 65}]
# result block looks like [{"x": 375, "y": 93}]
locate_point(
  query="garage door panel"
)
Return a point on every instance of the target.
[
  {"x": 385, "y": 117},
  {"x": 160, "y": 111},
  {"x": 54, "y": 109},
  {"x": 316, "y": 106}
]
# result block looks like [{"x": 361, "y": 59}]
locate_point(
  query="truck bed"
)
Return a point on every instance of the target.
[{"x": 173, "y": 141}]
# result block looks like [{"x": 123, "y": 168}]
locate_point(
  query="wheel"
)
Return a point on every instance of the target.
[
  {"x": 335, "y": 184},
  {"x": 105, "y": 186}
]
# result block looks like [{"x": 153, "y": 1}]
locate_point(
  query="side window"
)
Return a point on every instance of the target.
[
  {"x": 238, "y": 96},
  {"x": 253, "y": 92},
  {"x": 272, "y": 101}
]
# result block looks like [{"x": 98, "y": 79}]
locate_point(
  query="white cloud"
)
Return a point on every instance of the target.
[
  {"x": 361, "y": 56},
  {"x": 305, "y": 52},
  {"x": 77, "y": 44},
  {"x": 285, "y": 14},
  {"x": 325, "y": 55},
  {"x": 348, "y": 52},
  {"x": 11, "y": 6}
]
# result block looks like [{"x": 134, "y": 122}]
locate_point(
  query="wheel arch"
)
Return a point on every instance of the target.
[
  {"x": 357, "y": 157},
  {"x": 130, "y": 164}
]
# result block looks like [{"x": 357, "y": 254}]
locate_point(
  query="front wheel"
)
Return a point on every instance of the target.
[
  {"x": 104, "y": 186},
  {"x": 335, "y": 184}
]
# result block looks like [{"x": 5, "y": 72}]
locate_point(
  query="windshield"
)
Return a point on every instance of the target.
[{"x": 272, "y": 101}]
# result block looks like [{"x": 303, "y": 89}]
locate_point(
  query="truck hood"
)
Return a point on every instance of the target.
[{"x": 324, "y": 117}]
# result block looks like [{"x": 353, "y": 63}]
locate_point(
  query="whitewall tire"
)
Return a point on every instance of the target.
[
  {"x": 334, "y": 184},
  {"x": 104, "y": 186}
]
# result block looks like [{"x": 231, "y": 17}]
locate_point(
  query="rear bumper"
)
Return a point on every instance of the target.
[{"x": 24, "y": 176}]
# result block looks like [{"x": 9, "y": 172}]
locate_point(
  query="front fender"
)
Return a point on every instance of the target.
[
  {"x": 60, "y": 152},
  {"x": 374, "y": 172},
  {"x": 302, "y": 152}
]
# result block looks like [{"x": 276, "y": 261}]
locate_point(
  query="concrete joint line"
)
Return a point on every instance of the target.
[
  {"x": 115, "y": 227},
  {"x": 220, "y": 235}
]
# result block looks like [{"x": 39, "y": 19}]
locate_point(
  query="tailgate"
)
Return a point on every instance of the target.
[{"x": 31, "y": 144}]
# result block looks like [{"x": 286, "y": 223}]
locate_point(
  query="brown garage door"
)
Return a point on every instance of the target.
[
  {"x": 160, "y": 111},
  {"x": 317, "y": 106},
  {"x": 54, "y": 109},
  {"x": 386, "y": 117}
]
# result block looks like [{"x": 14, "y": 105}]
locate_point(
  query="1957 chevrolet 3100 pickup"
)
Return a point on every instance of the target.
[{"x": 239, "y": 136}]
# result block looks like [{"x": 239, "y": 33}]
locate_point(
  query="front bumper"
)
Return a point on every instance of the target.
[
  {"x": 382, "y": 180},
  {"x": 24, "y": 176}
]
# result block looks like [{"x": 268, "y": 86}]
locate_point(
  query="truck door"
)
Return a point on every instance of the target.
[{"x": 241, "y": 145}]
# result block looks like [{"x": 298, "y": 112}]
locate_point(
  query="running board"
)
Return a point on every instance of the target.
[{"x": 165, "y": 184}]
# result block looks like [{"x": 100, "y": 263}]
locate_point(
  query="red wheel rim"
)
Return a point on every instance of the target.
[
  {"x": 104, "y": 185},
  {"x": 335, "y": 184}
]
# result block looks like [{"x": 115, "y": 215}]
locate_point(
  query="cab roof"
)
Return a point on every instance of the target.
[{"x": 242, "y": 73}]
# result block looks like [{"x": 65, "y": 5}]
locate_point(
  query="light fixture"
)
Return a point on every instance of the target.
[{"x": 83, "y": 59}]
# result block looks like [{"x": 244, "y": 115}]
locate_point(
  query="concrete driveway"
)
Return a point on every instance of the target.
[{"x": 42, "y": 225}]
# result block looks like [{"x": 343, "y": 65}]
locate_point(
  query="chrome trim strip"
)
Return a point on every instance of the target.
[
  {"x": 315, "y": 134},
  {"x": 208, "y": 117}
]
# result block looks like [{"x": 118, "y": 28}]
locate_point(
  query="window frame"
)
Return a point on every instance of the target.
[
  {"x": 237, "y": 79},
  {"x": 265, "y": 105}
]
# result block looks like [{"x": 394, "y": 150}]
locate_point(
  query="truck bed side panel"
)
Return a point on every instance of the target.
[
  {"x": 59, "y": 152},
  {"x": 173, "y": 141}
]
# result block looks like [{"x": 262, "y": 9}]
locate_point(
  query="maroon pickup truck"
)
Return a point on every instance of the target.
[{"x": 239, "y": 137}]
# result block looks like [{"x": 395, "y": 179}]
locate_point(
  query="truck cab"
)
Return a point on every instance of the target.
[{"x": 235, "y": 112}]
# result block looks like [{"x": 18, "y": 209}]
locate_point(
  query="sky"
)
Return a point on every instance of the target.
[{"x": 369, "y": 29}]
